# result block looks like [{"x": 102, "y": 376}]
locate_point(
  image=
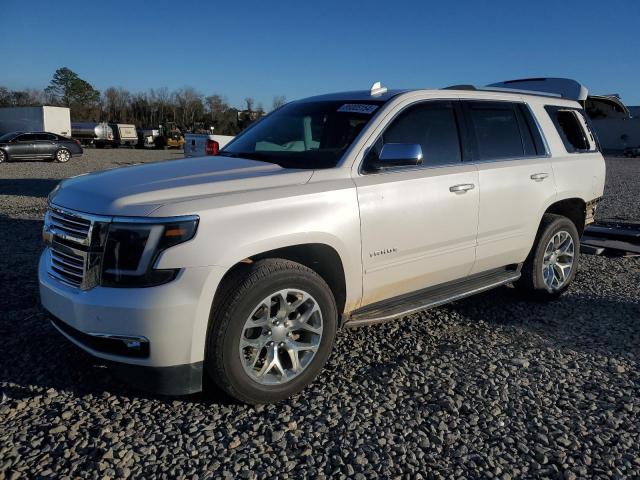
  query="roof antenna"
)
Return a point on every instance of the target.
[{"x": 377, "y": 89}]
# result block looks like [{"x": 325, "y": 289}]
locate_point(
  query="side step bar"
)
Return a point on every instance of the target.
[{"x": 431, "y": 297}]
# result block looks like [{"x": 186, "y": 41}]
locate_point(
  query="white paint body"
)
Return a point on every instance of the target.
[{"x": 248, "y": 207}]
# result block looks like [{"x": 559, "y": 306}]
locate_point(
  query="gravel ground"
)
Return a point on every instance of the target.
[{"x": 489, "y": 387}]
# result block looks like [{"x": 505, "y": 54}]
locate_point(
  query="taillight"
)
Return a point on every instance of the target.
[
  {"x": 77, "y": 141},
  {"x": 211, "y": 147}
]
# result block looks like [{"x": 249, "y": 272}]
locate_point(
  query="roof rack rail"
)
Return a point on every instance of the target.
[{"x": 461, "y": 87}]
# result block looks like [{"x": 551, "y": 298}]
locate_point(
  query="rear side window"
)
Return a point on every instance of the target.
[
  {"x": 27, "y": 137},
  {"x": 503, "y": 130},
  {"x": 433, "y": 125},
  {"x": 573, "y": 129}
]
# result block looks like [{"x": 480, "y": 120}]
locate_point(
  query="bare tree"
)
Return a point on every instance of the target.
[
  {"x": 278, "y": 101},
  {"x": 190, "y": 105},
  {"x": 116, "y": 102},
  {"x": 249, "y": 101}
]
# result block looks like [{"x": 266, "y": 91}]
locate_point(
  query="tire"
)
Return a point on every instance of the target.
[
  {"x": 4, "y": 157},
  {"x": 62, "y": 155},
  {"x": 539, "y": 267},
  {"x": 242, "y": 297}
]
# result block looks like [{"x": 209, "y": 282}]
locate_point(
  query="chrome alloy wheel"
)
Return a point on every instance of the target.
[
  {"x": 281, "y": 337},
  {"x": 3, "y": 156},
  {"x": 63, "y": 156},
  {"x": 557, "y": 262}
]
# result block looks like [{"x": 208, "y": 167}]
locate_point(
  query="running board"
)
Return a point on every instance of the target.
[{"x": 431, "y": 297}]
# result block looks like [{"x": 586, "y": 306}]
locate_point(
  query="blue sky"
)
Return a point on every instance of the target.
[{"x": 298, "y": 48}]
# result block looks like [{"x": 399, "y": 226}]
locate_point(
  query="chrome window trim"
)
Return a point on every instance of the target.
[{"x": 411, "y": 168}]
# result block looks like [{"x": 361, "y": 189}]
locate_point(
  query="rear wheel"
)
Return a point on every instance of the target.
[
  {"x": 271, "y": 331},
  {"x": 62, "y": 156},
  {"x": 553, "y": 261},
  {"x": 3, "y": 156}
]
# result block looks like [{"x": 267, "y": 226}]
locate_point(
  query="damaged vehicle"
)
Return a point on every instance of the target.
[{"x": 333, "y": 211}]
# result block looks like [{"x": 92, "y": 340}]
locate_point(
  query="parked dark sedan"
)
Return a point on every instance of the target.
[{"x": 37, "y": 146}]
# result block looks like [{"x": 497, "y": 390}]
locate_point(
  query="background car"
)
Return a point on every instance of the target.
[{"x": 37, "y": 146}]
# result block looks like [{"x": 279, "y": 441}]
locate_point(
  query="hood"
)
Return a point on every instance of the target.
[{"x": 140, "y": 189}]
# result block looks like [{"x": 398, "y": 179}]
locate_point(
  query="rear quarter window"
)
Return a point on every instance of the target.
[{"x": 573, "y": 128}]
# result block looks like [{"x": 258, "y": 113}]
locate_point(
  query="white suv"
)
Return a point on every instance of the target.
[{"x": 337, "y": 210}]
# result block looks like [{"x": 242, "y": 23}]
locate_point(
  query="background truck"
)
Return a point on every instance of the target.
[
  {"x": 90, "y": 132},
  {"x": 202, "y": 144},
  {"x": 167, "y": 135},
  {"x": 36, "y": 119},
  {"x": 124, "y": 134}
]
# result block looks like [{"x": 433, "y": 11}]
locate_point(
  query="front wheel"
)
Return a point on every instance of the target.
[
  {"x": 553, "y": 261},
  {"x": 62, "y": 156},
  {"x": 271, "y": 331},
  {"x": 3, "y": 156}
]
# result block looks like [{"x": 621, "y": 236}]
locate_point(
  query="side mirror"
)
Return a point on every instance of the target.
[{"x": 397, "y": 155}]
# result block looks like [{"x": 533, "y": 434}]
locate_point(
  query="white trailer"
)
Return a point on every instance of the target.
[{"x": 36, "y": 119}]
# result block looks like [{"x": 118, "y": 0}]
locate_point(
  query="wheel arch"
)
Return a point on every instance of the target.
[
  {"x": 572, "y": 208},
  {"x": 319, "y": 257}
]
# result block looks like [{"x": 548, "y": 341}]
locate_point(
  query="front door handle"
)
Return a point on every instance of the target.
[
  {"x": 538, "y": 177},
  {"x": 461, "y": 188}
]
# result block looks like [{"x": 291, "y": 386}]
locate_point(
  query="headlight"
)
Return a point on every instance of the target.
[{"x": 131, "y": 250}]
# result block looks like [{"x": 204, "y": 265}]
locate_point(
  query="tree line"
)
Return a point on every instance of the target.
[{"x": 187, "y": 108}]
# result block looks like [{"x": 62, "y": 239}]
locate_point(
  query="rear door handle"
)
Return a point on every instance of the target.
[
  {"x": 461, "y": 188},
  {"x": 538, "y": 177}
]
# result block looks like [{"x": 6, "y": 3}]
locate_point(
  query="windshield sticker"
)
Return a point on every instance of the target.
[{"x": 358, "y": 108}]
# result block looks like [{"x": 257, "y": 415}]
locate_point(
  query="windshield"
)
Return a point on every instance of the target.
[
  {"x": 7, "y": 137},
  {"x": 304, "y": 135}
]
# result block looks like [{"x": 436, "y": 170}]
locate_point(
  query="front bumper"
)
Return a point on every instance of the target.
[{"x": 154, "y": 337}]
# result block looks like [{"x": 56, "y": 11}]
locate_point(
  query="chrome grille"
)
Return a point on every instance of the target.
[
  {"x": 69, "y": 226},
  {"x": 67, "y": 265},
  {"x": 75, "y": 242}
]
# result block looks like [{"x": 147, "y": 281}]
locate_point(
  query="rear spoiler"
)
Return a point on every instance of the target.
[{"x": 557, "y": 87}]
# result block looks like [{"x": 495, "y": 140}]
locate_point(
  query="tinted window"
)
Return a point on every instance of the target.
[
  {"x": 433, "y": 126},
  {"x": 7, "y": 137},
  {"x": 571, "y": 124},
  {"x": 497, "y": 131},
  {"x": 27, "y": 137},
  {"x": 531, "y": 128},
  {"x": 43, "y": 136}
]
